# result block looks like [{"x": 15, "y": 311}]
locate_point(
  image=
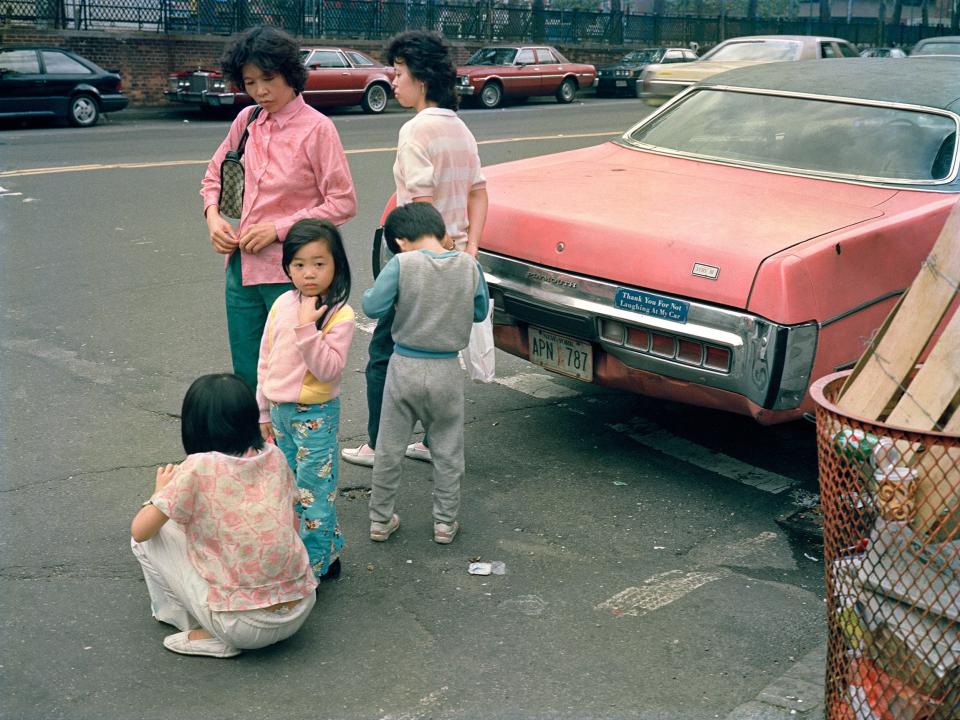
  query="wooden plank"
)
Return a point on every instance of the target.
[
  {"x": 953, "y": 424},
  {"x": 937, "y": 494},
  {"x": 897, "y": 350},
  {"x": 935, "y": 386}
]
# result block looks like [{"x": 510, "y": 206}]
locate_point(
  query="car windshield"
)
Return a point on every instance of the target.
[
  {"x": 759, "y": 50},
  {"x": 806, "y": 134},
  {"x": 493, "y": 56},
  {"x": 938, "y": 48},
  {"x": 642, "y": 57}
]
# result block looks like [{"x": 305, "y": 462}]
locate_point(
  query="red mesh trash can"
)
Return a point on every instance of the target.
[{"x": 891, "y": 518}]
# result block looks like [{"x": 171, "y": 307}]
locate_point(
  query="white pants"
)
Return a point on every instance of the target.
[{"x": 178, "y": 597}]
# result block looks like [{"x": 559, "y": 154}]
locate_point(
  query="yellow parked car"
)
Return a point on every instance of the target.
[{"x": 661, "y": 82}]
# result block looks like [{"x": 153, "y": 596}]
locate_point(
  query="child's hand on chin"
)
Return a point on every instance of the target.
[{"x": 309, "y": 313}]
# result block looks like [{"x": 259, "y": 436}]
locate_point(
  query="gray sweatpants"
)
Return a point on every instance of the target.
[{"x": 431, "y": 391}]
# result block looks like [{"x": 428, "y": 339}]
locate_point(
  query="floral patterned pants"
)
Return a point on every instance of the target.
[{"x": 307, "y": 435}]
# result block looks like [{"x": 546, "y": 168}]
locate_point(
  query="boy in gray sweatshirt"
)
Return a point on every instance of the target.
[{"x": 438, "y": 294}]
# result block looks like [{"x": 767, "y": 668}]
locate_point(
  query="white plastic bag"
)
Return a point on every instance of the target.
[{"x": 478, "y": 355}]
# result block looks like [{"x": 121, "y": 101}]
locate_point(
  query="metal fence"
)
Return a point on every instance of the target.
[{"x": 484, "y": 21}]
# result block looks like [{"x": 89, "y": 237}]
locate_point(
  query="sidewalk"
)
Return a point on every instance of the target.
[{"x": 797, "y": 694}]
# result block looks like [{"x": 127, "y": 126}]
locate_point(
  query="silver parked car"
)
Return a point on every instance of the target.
[{"x": 947, "y": 45}]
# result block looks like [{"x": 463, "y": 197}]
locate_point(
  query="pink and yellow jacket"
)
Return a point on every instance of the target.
[{"x": 299, "y": 363}]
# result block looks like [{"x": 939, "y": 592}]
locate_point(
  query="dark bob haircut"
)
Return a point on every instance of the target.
[
  {"x": 220, "y": 414},
  {"x": 271, "y": 50},
  {"x": 412, "y": 222},
  {"x": 427, "y": 56},
  {"x": 307, "y": 231}
]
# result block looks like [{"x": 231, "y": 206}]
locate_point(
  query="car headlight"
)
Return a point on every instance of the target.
[
  {"x": 464, "y": 79},
  {"x": 219, "y": 86}
]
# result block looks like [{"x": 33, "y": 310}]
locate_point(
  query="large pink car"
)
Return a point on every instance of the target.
[{"x": 745, "y": 239}]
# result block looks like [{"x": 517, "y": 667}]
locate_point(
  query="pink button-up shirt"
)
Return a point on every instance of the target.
[{"x": 294, "y": 168}]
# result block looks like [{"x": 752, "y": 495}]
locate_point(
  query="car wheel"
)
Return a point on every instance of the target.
[
  {"x": 491, "y": 96},
  {"x": 374, "y": 99},
  {"x": 637, "y": 88},
  {"x": 567, "y": 91},
  {"x": 84, "y": 111}
]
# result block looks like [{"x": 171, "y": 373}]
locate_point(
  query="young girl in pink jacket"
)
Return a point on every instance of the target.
[{"x": 302, "y": 356}]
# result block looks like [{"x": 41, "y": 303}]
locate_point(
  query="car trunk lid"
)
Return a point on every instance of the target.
[{"x": 645, "y": 220}]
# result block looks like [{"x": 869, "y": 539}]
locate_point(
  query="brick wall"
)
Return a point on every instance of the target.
[{"x": 144, "y": 59}]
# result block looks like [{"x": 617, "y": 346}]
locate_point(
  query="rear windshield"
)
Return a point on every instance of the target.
[
  {"x": 806, "y": 134},
  {"x": 938, "y": 48},
  {"x": 493, "y": 56},
  {"x": 764, "y": 51},
  {"x": 643, "y": 57}
]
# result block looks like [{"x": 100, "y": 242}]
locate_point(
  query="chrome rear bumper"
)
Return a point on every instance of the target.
[{"x": 766, "y": 362}]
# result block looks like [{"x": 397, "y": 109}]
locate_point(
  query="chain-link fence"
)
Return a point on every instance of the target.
[
  {"x": 891, "y": 515},
  {"x": 485, "y": 20}
]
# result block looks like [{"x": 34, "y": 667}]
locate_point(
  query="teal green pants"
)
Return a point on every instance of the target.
[{"x": 247, "y": 309}]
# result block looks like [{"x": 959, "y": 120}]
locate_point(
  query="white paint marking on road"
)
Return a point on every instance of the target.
[
  {"x": 427, "y": 707},
  {"x": 358, "y": 151},
  {"x": 668, "y": 587},
  {"x": 653, "y": 436},
  {"x": 536, "y": 385},
  {"x": 367, "y": 327},
  {"x": 10, "y": 194},
  {"x": 659, "y": 591},
  {"x": 98, "y": 373}
]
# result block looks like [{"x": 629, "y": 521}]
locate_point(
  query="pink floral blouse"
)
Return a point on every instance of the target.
[{"x": 241, "y": 527}]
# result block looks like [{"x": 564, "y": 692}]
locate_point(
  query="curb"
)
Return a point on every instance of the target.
[{"x": 795, "y": 695}]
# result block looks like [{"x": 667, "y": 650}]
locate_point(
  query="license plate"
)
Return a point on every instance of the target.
[
  {"x": 621, "y": 83},
  {"x": 561, "y": 354}
]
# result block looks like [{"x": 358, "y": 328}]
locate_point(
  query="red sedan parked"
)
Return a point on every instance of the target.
[
  {"x": 335, "y": 76},
  {"x": 499, "y": 72}
]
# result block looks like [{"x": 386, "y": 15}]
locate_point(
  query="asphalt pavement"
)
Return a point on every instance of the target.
[{"x": 645, "y": 573}]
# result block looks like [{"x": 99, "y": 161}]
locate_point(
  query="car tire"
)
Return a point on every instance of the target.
[
  {"x": 491, "y": 96},
  {"x": 375, "y": 99},
  {"x": 638, "y": 88},
  {"x": 83, "y": 111},
  {"x": 567, "y": 91}
]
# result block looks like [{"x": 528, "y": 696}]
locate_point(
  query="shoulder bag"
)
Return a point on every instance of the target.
[{"x": 230, "y": 201}]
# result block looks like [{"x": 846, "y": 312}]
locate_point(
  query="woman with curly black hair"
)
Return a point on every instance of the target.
[
  {"x": 295, "y": 168},
  {"x": 437, "y": 162}
]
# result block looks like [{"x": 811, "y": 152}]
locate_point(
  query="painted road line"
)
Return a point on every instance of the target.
[
  {"x": 659, "y": 591},
  {"x": 657, "y": 438},
  {"x": 358, "y": 151},
  {"x": 665, "y": 588},
  {"x": 536, "y": 385},
  {"x": 366, "y": 326}
]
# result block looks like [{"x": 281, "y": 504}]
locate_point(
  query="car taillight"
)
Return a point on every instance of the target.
[{"x": 717, "y": 359}]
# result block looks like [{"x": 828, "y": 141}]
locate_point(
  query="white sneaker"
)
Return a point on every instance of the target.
[
  {"x": 381, "y": 532},
  {"x": 419, "y": 451},
  {"x": 362, "y": 455},
  {"x": 210, "y": 647},
  {"x": 444, "y": 533}
]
